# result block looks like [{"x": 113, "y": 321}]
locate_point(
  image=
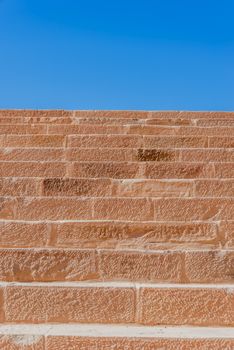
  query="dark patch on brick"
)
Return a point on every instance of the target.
[
  {"x": 73, "y": 187},
  {"x": 145, "y": 155}
]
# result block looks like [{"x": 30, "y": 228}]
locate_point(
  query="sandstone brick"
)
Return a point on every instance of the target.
[
  {"x": 36, "y": 120},
  {"x": 107, "y": 121},
  {"x": 214, "y": 188},
  {"x": 225, "y": 170},
  {"x": 88, "y": 129},
  {"x": 146, "y": 155},
  {"x": 154, "y": 188},
  {"x": 207, "y": 155},
  {"x": 43, "y": 265},
  {"x": 197, "y": 115},
  {"x": 210, "y": 266},
  {"x": 22, "y": 342},
  {"x": 186, "y": 306},
  {"x": 226, "y": 230},
  {"x": 33, "y": 169},
  {"x": 178, "y": 170},
  {"x": 118, "y": 170},
  {"x": 123, "y": 234},
  {"x": 92, "y": 343},
  {"x": 179, "y": 130},
  {"x": 123, "y": 209},
  {"x": 174, "y": 142},
  {"x": 111, "y": 114},
  {"x": 53, "y": 209},
  {"x": 31, "y": 154},
  {"x": 168, "y": 121},
  {"x": 19, "y": 187},
  {"x": 184, "y": 209},
  {"x": 2, "y": 313},
  {"x": 150, "y": 130},
  {"x": 34, "y": 113},
  {"x": 22, "y": 129},
  {"x": 77, "y": 187},
  {"x": 7, "y": 208},
  {"x": 28, "y": 141},
  {"x": 221, "y": 142},
  {"x": 215, "y": 122},
  {"x": 20, "y": 234},
  {"x": 109, "y": 141},
  {"x": 71, "y": 304},
  {"x": 139, "y": 266},
  {"x": 106, "y": 154},
  {"x": 204, "y": 131}
]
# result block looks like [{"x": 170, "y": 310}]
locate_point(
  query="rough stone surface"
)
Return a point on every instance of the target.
[{"x": 60, "y": 304}]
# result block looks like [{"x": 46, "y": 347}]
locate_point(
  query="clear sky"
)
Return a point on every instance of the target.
[{"x": 117, "y": 54}]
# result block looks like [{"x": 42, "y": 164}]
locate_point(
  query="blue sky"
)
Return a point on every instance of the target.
[{"x": 117, "y": 54}]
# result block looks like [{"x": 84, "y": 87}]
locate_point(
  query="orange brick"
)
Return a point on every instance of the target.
[
  {"x": 154, "y": 188},
  {"x": 225, "y": 170},
  {"x": 111, "y": 114},
  {"x": 106, "y": 154},
  {"x": 22, "y": 129},
  {"x": 174, "y": 142},
  {"x": 221, "y": 142},
  {"x": 214, "y": 188},
  {"x": 20, "y": 234},
  {"x": 7, "y": 208},
  {"x": 186, "y": 306},
  {"x": 22, "y": 342},
  {"x": 215, "y": 122},
  {"x": 109, "y": 141},
  {"x": 32, "y": 169},
  {"x": 210, "y": 266},
  {"x": 168, "y": 121},
  {"x": 88, "y": 129},
  {"x": 31, "y": 154},
  {"x": 123, "y": 209},
  {"x": 198, "y": 115},
  {"x": 107, "y": 121},
  {"x": 53, "y": 209},
  {"x": 1, "y": 306},
  {"x": 61, "y": 304},
  {"x": 226, "y": 230},
  {"x": 92, "y": 343},
  {"x": 184, "y": 209},
  {"x": 179, "y": 130},
  {"x": 30, "y": 265},
  {"x": 118, "y": 170},
  {"x": 77, "y": 187},
  {"x": 177, "y": 170},
  {"x": 19, "y": 187},
  {"x": 206, "y": 155},
  {"x": 28, "y": 141},
  {"x": 145, "y": 155},
  {"x": 34, "y": 113},
  {"x": 203, "y": 131},
  {"x": 139, "y": 266},
  {"x": 119, "y": 234}
]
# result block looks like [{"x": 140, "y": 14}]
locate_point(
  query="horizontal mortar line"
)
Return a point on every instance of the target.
[
  {"x": 53, "y": 196},
  {"x": 165, "y": 126},
  {"x": 116, "y": 221},
  {"x": 96, "y": 330},
  {"x": 120, "y": 134},
  {"x": 123, "y": 249},
  {"x": 172, "y": 162},
  {"x": 122, "y": 180},
  {"x": 120, "y": 284},
  {"x": 122, "y": 148}
]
